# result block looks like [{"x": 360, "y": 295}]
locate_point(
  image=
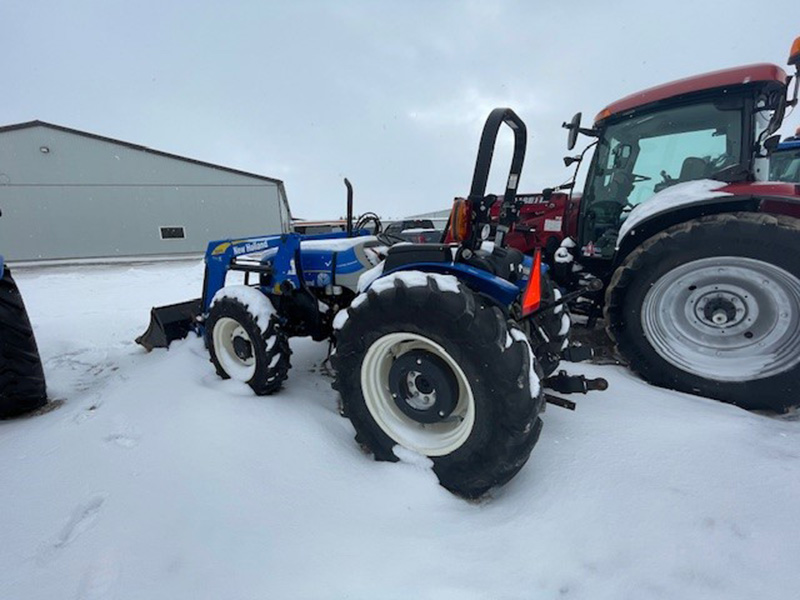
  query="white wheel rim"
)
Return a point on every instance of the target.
[
  {"x": 225, "y": 331},
  {"x": 727, "y": 318},
  {"x": 430, "y": 439}
]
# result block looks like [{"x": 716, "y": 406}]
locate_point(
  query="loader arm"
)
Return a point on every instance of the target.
[{"x": 175, "y": 321}]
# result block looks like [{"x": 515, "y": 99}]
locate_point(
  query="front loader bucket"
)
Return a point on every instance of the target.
[{"x": 169, "y": 323}]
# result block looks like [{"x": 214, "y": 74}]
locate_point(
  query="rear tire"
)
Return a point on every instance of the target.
[
  {"x": 710, "y": 307},
  {"x": 245, "y": 339},
  {"x": 468, "y": 356},
  {"x": 556, "y": 325},
  {"x": 22, "y": 384}
]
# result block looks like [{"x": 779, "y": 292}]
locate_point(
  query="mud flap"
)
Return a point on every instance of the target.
[{"x": 170, "y": 323}]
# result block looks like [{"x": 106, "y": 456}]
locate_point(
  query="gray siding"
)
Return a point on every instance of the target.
[{"x": 89, "y": 198}]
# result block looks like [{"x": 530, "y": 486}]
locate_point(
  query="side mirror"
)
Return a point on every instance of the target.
[
  {"x": 771, "y": 143},
  {"x": 568, "y": 160},
  {"x": 574, "y": 127}
]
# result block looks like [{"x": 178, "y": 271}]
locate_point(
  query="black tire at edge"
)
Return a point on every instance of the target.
[{"x": 22, "y": 382}]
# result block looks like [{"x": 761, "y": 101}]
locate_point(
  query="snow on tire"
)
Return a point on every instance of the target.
[
  {"x": 423, "y": 363},
  {"x": 22, "y": 384},
  {"x": 245, "y": 339}
]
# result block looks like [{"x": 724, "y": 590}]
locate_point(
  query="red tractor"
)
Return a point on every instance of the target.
[
  {"x": 698, "y": 254},
  {"x": 542, "y": 221}
]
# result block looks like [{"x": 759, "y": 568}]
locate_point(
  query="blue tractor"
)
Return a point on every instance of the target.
[
  {"x": 784, "y": 161},
  {"x": 22, "y": 384},
  {"x": 439, "y": 347}
]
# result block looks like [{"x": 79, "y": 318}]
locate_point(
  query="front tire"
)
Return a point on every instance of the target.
[
  {"x": 710, "y": 307},
  {"x": 22, "y": 384},
  {"x": 424, "y": 363},
  {"x": 245, "y": 339}
]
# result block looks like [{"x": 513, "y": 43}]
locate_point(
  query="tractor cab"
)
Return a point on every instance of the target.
[{"x": 715, "y": 126}]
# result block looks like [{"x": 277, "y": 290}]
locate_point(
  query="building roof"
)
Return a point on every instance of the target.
[
  {"x": 763, "y": 72},
  {"x": 29, "y": 124}
]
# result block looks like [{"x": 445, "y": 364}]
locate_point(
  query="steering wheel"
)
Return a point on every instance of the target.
[
  {"x": 611, "y": 206},
  {"x": 720, "y": 163}
]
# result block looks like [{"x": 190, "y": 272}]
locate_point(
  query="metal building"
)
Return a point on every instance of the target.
[{"x": 68, "y": 194}]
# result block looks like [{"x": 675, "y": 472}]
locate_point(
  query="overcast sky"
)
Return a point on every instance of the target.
[{"x": 390, "y": 94}]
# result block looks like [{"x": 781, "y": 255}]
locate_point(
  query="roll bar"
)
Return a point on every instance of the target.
[{"x": 509, "y": 211}]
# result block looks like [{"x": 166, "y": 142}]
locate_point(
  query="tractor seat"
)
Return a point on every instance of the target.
[
  {"x": 503, "y": 262},
  {"x": 693, "y": 168}
]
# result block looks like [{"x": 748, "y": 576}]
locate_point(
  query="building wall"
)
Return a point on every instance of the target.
[{"x": 87, "y": 198}]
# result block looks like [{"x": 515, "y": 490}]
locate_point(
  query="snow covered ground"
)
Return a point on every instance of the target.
[{"x": 155, "y": 479}]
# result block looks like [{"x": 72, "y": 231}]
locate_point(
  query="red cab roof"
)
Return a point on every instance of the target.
[{"x": 707, "y": 81}]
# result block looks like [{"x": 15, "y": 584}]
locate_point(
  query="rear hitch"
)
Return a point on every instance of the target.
[{"x": 574, "y": 384}]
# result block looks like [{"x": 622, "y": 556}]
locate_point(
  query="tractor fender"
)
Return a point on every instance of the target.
[
  {"x": 676, "y": 197},
  {"x": 686, "y": 201},
  {"x": 498, "y": 289}
]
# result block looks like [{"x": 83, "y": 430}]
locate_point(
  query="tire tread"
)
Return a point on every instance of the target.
[
  {"x": 22, "y": 382},
  {"x": 760, "y": 394},
  {"x": 476, "y": 332}
]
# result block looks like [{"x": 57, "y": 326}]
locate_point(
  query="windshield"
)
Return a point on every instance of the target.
[
  {"x": 643, "y": 155},
  {"x": 784, "y": 165}
]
